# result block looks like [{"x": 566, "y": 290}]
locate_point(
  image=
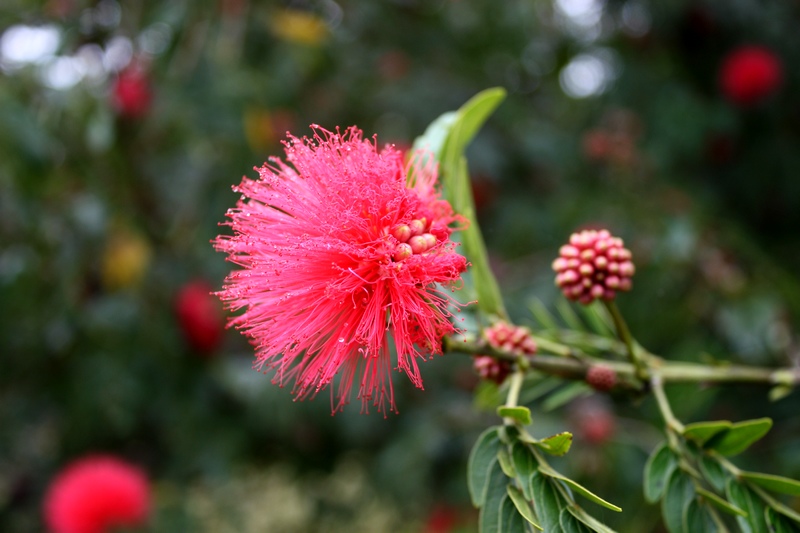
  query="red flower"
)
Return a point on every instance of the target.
[
  {"x": 131, "y": 93},
  {"x": 340, "y": 254},
  {"x": 96, "y": 494},
  {"x": 749, "y": 74},
  {"x": 200, "y": 316}
]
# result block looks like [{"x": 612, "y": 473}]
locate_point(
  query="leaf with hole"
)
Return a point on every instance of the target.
[
  {"x": 740, "y": 436},
  {"x": 657, "y": 470},
  {"x": 481, "y": 459}
]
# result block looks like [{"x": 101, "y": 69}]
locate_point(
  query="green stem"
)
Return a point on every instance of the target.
[
  {"x": 514, "y": 388},
  {"x": 673, "y": 424},
  {"x": 625, "y": 335}
]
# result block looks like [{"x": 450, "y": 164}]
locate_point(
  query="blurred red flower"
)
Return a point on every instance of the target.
[
  {"x": 200, "y": 316},
  {"x": 132, "y": 94},
  {"x": 96, "y": 494},
  {"x": 749, "y": 74}
]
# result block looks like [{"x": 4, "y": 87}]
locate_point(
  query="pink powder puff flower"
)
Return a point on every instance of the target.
[
  {"x": 97, "y": 494},
  {"x": 340, "y": 257}
]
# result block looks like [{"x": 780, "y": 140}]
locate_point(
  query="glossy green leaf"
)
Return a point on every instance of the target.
[
  {"x": 570, "y": 524},
  {"x": 679, "y": 493},
  {"x": 657, "y": 470},
  {"x": 698, "y": 519},
  {"x": 489, "y": 518},
  {"x": 557, "y": 444},
  {"x": 566, "y": 394},
  {"x": 750, "y": 503},
  {"x": 783, "y": 485},
  {"x": 522, "y": 505},
  {"x": 718, "y": 502},
  {"x": 580, "y": 489},
  {"x": 525, "y": 465},
  {"x": 547, "y": 502},
  {"x": 713, "y": 472},
  {"x": 700, "y": 432},
  {"x": 481, "y": 459},
  {"x": 504, "y": 458},
  {"x": 510, "y": 520},
  {"x": 740, "y": 436},
  {"x": 521, "y": 415}
]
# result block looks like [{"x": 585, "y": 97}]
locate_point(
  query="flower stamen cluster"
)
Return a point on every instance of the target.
[{"x": 593, "y": 265}]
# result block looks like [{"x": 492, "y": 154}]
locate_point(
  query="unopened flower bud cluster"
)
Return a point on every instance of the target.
[
  {"x": 506, "y": 337},
  {"x": 593, "y": 265}
]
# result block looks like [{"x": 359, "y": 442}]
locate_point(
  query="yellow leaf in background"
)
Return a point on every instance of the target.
[{"x": 298, "y": 26}]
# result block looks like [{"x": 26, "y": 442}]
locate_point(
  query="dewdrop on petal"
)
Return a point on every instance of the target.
[{"x": 593, "y": 265}]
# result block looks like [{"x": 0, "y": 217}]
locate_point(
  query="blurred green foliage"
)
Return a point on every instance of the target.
[{"x": 103, "y": 217}]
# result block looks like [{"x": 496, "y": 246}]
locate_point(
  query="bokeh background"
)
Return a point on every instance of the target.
[{"x": 123, "y": 126}]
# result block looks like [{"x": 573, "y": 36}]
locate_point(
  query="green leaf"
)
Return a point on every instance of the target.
[
  {"x": 557, "y": 444},
  {"x": 596, "y": 316},
  {"x": 525, "y": 465},
  {"x": 522, "y": 505},
  {"x": 657, "y": 470},
  {"x": 487, "y": 396},
  {"x": 779, "y": 392},
  {"x": 489, "y": 519},
  {"x": 547, "y": 502},
  {"x": 505, "y": 462},
  {"x": 740, "y": 436},
  {"x": 533, "y": 392},
  {"x": 568, "y": 315},
  {"x": 697, "y": 518},
  {"x": 778, "y": 523},
  {"x": 435, "y": 135},
  {"x": 700, "y": 432},
  {"x": 775, "y": 504},
  {"x": 713, "y": 472},
  {"x": 749, "y": 502},
  {"x": 481, "y": 459},
  {"x": 566, "y": 394},
  {"x": 580, "y": 489},
  {"x": 783, "y": 485},
  {"x": 719, "y": 502},
  {"x": 570, "y": 524},
  {"x": 678, "y": 494},
  {"x": 590, "y": 521},
  {"x": 519, "y": 414},
  {"x": 542, "y": 315},
  {"x": 510, "y": 520}
]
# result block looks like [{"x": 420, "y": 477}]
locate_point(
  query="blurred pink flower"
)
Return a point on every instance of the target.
[
  {"x": 95, "y": 495},
  {"x": 342, "y": 256}
]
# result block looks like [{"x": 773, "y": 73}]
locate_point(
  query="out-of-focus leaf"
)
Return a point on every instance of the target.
[
  {"x": 519, "y": 414},
  {"x": 700, "y": 432},
  {"x": 720, "y": 503},
  {"x": 489, "y": 519},
  {"x": 713, "y": 472},
  {"x": 570, "y": 524},
  {"x": 678, "y": 494},
  {"x": 657, "y": 471},
  {"x": 779, "y": 523},
  {"x": 697, "y": 518},
  {"x": 566, "y": 394},
  {"x": 779, "y": 392},
  {"x": 547, "y": 502},
  {"x": 525, "y": 465},
  {"x": 740, "y": 436},
  {"x": 510, "y": 519},
  {"x": 522, "y": 505},
  {"x": 505, "y": 462},
  {"x": 781, "y": 484},
  {"x": 557, "y": 444},
  {"x": 481, "y": 459},
  {"x": 744, "y": 498}
]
